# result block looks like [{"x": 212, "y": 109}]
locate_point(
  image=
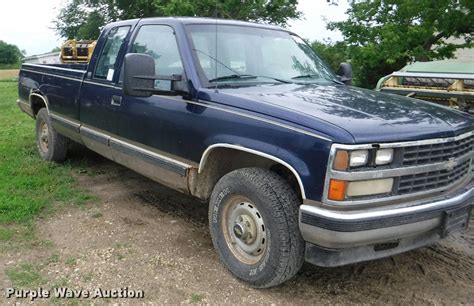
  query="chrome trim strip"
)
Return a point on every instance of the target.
[
  {"x": 100, "y": 84},
  {"x": 54, "y": 75},
  {"x": 150, "y": 153},
  {"x": 23, "y": 102},
  {"x": 261, "y": 119},
  {"x": 362, "y": 175},
  {"x": 53, "y": 67},
  {"x": 172, "y": 164},
  {"x": 382, "y": 213},
  {"x": 94, "y": 135},
  {"x": 148, "y": 158},
  {"x": 73, "y": 123},
  {"x": 206, "y": 153}
]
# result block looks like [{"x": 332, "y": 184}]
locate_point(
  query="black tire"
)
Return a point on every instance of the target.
[
  {"x": 271, "y": 198},
  {"x": 51, "y": 145}
]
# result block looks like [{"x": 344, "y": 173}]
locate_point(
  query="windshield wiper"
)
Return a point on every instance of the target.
[
  {"x": 233, "y": 77},
  {"x": 312, "y": 76},
  {"x": 236, "y": 75},
  {"x": 305, "y": 76},
  {"x": 245, "y": 77}
]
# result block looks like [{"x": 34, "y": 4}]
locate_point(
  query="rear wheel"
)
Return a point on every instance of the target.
[
  {"x": 51, "y": 145},
  {"x": 253, "y": 218}
]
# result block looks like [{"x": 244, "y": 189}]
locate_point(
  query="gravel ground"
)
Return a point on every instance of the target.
[{"x": 147, "y": 237}]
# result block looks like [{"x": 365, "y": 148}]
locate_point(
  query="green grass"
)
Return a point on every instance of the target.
[
  {"x": 70, "y": 261},
  {"x": 10, "y": 66},
  {"x": 196, "y": 298},
  {"x": 25, "y": 275},
  {"x": 28, "y": 185}
]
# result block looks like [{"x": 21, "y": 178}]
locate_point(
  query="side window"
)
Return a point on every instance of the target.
[
  {"x": 159, "y": 42},
  {"x": 106, "y": 65}
]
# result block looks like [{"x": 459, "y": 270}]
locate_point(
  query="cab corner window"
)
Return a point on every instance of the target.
[{"x": 106, "y": 65}]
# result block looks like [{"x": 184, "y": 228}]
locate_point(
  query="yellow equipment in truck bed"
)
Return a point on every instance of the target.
[{"x": 77, "y": 51}]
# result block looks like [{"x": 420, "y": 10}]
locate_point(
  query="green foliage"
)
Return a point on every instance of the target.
[
  {"x": 83, "y": 19},
  {"x": 10, "y": 55},
  {"x": 333, "y": 53},
  {"x": 382, "y": 36},
  {"x": 28, "y": 185},
  {"x": 91, "y": 28}
]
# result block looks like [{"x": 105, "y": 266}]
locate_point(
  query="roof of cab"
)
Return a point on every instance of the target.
[{"x": 201, "y": 20}]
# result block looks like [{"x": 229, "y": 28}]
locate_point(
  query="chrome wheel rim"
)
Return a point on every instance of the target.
[
  {"x": 244, "y": 230},
  {"x": 44, "y": 137}
]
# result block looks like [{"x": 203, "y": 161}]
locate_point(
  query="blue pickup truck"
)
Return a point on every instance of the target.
[{"x": 296, "y": 165}]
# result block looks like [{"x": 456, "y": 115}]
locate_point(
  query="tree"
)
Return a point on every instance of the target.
[
  {"x": 84, "y": 19},
  {"x": 9, "y": 54},
  {"x": 382, "y": 36},
  {"x": 333, "y": 53}
]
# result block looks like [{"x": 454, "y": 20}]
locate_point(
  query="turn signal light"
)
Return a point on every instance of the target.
[{"x": 337, "y": 190}]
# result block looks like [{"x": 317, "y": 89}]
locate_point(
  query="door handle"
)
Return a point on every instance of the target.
[{"x": 116, "y": 100}]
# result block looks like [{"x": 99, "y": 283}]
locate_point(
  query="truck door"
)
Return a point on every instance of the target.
[
  {"x": 159, "y": 122},
  {"x": 100, "y": 95}
]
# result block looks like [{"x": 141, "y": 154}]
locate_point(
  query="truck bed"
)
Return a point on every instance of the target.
[{"x": 61, "y": 81}]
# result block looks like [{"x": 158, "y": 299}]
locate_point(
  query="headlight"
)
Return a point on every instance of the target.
[
  {"x": 338, "y": 190},
  {"x": 344, "y": 160},
  {"x": 359, "y": 158},
  {"x": 362, "y": 188},
  {"x": 384, "y": 156}
]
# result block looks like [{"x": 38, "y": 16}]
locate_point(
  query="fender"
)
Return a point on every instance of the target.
[
  {"x": 209, "y": 149},
  {"x": 38, "y": 94}
]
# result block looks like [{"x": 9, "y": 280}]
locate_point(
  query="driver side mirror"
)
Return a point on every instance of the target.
[
  {"x": 345, "y": 73},
  {"x": 139, "y": 78}
]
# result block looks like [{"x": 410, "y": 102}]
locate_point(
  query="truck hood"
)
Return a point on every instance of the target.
[{"x": 369, "y": 116}]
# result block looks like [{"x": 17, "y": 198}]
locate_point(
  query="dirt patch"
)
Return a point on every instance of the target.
[
  {"x": 9, "y": 74},
  {"x": 147, "y": 237}
]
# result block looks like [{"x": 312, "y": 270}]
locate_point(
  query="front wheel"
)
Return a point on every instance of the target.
[
  {"x": 51, "y": 145},
  {"x": 253, "y": 219}
]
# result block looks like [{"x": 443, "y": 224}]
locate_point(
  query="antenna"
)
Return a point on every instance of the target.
[{"x": 215, "y": 64}]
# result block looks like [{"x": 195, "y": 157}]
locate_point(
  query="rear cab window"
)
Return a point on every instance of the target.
[{"x": 106, "y": 64}]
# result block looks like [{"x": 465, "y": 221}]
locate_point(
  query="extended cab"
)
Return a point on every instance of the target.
[{"x": 296, "y": 165}]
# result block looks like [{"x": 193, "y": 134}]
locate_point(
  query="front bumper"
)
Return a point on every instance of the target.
[{"x": 336, "y": 238}]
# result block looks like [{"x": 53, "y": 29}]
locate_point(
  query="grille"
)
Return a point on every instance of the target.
[
  {"x": 438, "y": 152},
  {"x": 433, "y": 179}
]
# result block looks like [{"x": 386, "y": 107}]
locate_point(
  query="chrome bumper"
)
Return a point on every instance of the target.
[{"x": 350, "y": 229}]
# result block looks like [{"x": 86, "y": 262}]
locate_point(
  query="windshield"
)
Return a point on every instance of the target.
[{"x": 255, "y": 55}]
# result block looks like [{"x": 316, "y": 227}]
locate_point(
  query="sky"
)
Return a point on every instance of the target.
[{"x": 27, "y": 23}]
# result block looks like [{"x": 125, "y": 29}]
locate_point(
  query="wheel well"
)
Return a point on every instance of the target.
[
  {"x": 37, "y": 103},
  {"x": 221, "y": 161}
]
